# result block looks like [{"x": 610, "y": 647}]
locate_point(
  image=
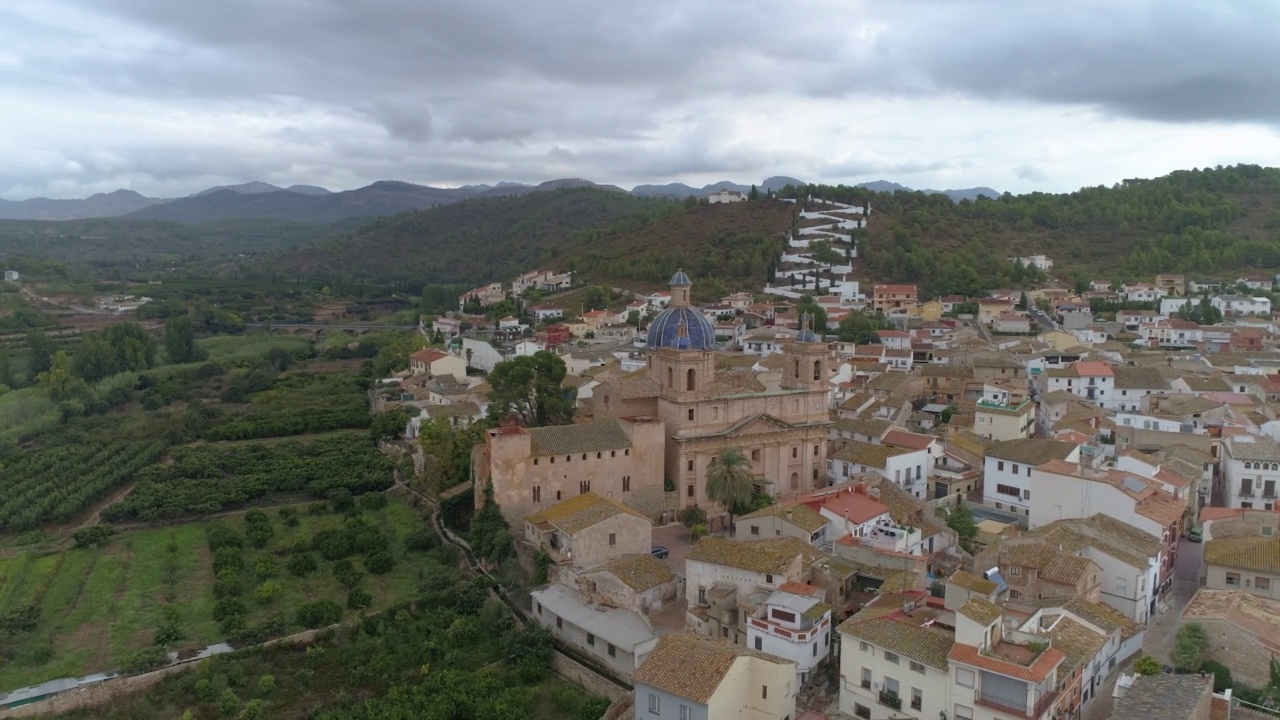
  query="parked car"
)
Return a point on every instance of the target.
[
  {"x": 1196, "y": 534},
  {"x": 659, "y": 552}
]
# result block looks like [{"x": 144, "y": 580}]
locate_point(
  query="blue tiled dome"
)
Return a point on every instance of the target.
[
  {"x": 665, "y": 330},
  {"x": 807, "y": 336},
  {"x": 680, "y": 279}
]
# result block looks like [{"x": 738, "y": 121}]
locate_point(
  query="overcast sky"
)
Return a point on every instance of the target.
[{"x": 168, "y": 97}]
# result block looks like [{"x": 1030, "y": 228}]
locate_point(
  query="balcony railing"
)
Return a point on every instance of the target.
[
  {"x": 888, "y": 698},
  {"x": 1045, "y": 702}
]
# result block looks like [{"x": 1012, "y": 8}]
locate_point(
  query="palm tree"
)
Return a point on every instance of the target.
[{"x": 730, "y": 480}]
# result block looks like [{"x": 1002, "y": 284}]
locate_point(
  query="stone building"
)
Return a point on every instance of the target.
[
  {"x": 704, "y": 409},
  {"x": 532, "y": 469},
  {"x": 589, "y": 530}
]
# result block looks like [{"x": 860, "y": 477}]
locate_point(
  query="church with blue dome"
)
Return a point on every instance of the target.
[
  {"x": 681, "y": 327},
  {"x": 778, "y": 419}
]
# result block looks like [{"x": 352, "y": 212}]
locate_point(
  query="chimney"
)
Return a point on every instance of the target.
[
  {"x": 788, "y": 516},
  {"x": 875, "y": 492}
]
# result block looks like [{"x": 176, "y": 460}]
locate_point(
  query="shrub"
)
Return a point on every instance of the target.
[
  {"x": 1221, "y": 674},
  {"x": 373, "y": 501},
  {"x": 1189, "y": 646},
  {"x": 379, "y": 563},
  {"x": 265, "y": 567},
  {"x": 359, "y": 599},
  {"x": 347, "y": 574},
  {"x": 227, "y": 558},
  {"x": 93, "y": 536},
  {"x": 420, "y": 539},
  {"x": 147, "y": 660},
  {"x": 340, "y": 499},
  {"x": 266, "y": 684},
  {"x": 228, "y": 703},
  {"x": 697, "y": 532},
  {"x": 219, "y": 535},
  {"x": 333, "y": 544},
  {"x": 228, "y": 584},
  {"x": 267, "y": 592},
  {"x": 288, "y": 516},
  {"x": 1147, "y": 665},
  {"x": 228, "y": 607},
  {"x": 693, "y": 515},
  {"x": 301, "y": 565},
  {"x": 319, "y": 614}
]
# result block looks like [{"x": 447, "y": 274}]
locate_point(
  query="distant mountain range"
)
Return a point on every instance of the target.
[{"x": 385, "y": 197}]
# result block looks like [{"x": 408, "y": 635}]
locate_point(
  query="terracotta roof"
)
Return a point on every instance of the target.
[
  {"x": 798, "y": 514},
  {"x": 1031, "y": 451},
  {"x": 581, "y": 512},
  {"x": 885, "y": 625},
  {"x": 1122, "y": 541},
  {"x": 947, "y": 370},
  {"x": 972, "y": 582},
  {"x": 871, "y": 428},
  {"x": 1139, "y": 378},
  {"x": 863, "y": 453},
  {"x": 1052, "y": 564},
  {"x": 428, "y": 355},
  {"x": 1077, "y": 642},
  {"x": 1092, "y": 368},
  {"x": 1259, "y": 449},
  {"x": 769, "y": 555},
  {"x": 692, "y": 666},
  {"x": 462, "y": 409},
  {"x": 856, "y": 506},
  {"x": 801, "y": 589},
  {"x": 980, "y": 610},
  {"x": 1258, "y": 553},
  {"x": 902, "y": 438},
  {"x": 1097, "y": 614},
  {"x": 888, "y": 381},
  {"x": 639, "y": 572},
  {"x": 1038, "y": 671},
  {"x": 571, "y": 439}
]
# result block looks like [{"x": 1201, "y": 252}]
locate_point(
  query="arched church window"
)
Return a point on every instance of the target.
[
  {"x": 817, "y": 369},
  {"x": 691, "y": 381}
]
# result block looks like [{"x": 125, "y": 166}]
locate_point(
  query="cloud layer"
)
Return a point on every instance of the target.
[{"x": 168, "y": 98}]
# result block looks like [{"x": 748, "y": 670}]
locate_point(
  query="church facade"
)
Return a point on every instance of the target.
[
  {"x": 705, "y": 408},
  {"x": 661, "y": 428}
]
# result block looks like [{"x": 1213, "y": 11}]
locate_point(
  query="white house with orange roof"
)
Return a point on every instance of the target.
[
  {"x": 436, "y": 363},
  {"x": 1089, "y": 379},
  {"x": 850, "y": 510}
]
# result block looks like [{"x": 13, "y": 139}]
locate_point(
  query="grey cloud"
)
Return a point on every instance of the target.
[{"x": 1030, "y": 172}]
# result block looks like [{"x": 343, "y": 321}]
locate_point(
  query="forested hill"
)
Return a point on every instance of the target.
[
  {"x": 1200, "y": 222},
  {"x": 601, "y": 235}
]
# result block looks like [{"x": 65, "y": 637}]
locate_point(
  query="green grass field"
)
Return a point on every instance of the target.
[{"x": 99, "y": 607}]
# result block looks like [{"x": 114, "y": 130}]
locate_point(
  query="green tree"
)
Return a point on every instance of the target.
[
  {"x": 597, "y": 297},
  {"x": 41, "y": 348},
  {"x": 180, "y": 340},
  {"x": 59, "y": 381},
  {"x": 530, "y": 389},
  {"x": 1189, "y": 646},
  {"x": 1023, "y": 303},
  {"x": 753, "y": 193},
  {"x": 389, "y": 425},
  {"x": 1147, "y": 665},
  {"x": 859, "y": 327},
  {"x": 817, "y": 315},
  {"x": 960, "y": 519},
  {"x": 730, "y": 480}
]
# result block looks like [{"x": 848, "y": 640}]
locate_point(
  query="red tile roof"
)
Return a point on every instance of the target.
[
  {"x": 1039, "y": 670},
  {"x": 1093, "y": 368},
  {"x": 801, "y": 589},
  {"x": 902, "y": 438},
  {"x": 428, "y": 355},
  {"x": 855, "y": 506}
]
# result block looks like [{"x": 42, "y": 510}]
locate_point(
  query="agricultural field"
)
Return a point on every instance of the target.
[
  {"x": 37, "y": 487},
  {"x": 210, "y": 478},
  {"x": 97, "y": 607}
]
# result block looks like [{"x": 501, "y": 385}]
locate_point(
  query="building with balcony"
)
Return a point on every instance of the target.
[
  {"x": 887, "y": 298},
  {"x": 793, "y": 623},
  {"x": 721, "y": 576},
  {"x": 1250, "y": 472},
  {"x": 1002, "y": 416},
  {"x": 1088, "y": 379},
  {"x": 893, "y": 658},
  {"x": 999, "y": 672},
  {"x": 906, "y": 467}
]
